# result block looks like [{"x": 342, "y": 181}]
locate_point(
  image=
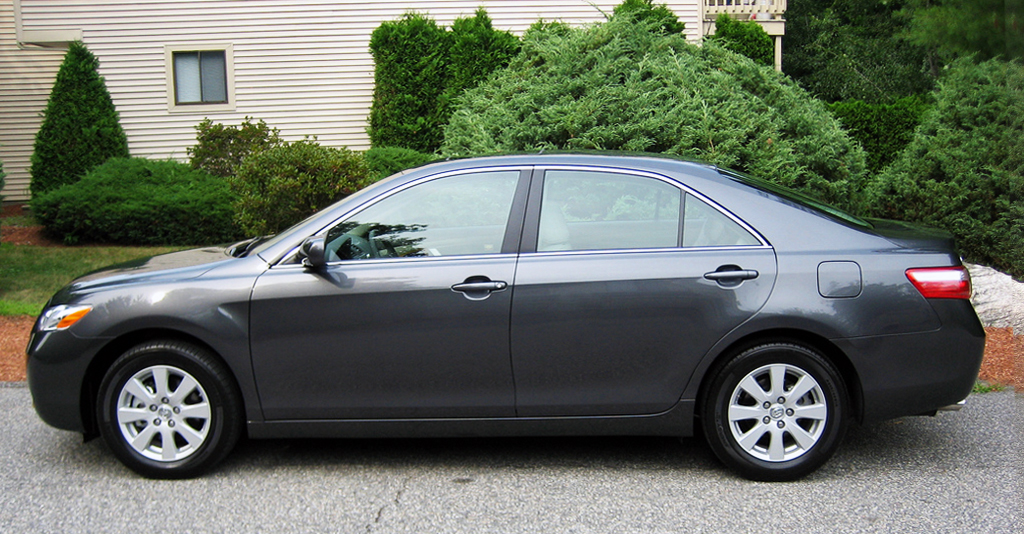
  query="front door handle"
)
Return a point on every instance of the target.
[
  {"x": 468, "y": 287},
  {"x": 479, "y": 287}
]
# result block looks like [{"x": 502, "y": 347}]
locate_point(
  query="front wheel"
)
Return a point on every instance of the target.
[
  {"x": 169, "y": 410},
  {"x": 775, "y": 412}
]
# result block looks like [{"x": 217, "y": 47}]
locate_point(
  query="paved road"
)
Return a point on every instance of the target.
[{"x": 958, "y": 472}]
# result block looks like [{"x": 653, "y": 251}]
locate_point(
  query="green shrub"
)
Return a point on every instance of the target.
[
  {"x": 136, "y": 201},
  {"x": 383, "y": 162},
  {"x": 80, "y": 128},
  {"x": 220, "y": 149},
  {"x": 882, "y": 129},
  {"x": 657, "y": 16},
  {"x": 421, "y": 67},
  {"x": 477, "y": 50},
  {"x": 281, "y": 186},
  {"x": 3, "y": 180},
  {"x": 410, "y": 77},
  {"x": 745, "y": 38},
  {"x": 964, "y": 169},
  {"x": 625, "y": 85}
]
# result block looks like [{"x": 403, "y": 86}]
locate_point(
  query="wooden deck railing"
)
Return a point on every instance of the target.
[{"x": 759, "y": 9}]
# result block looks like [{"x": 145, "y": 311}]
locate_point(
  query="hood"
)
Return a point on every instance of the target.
[{"x": 175, "y": 265}]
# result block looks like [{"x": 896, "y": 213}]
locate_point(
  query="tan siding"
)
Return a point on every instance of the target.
[{"x": 303, "y": 67}]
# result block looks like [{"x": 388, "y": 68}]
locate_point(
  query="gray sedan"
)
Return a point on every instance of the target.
[{"x": 521, "y": 295}]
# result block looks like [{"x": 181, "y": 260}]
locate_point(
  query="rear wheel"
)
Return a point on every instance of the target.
[
  {"x": 169, "y": 410},
  {"x": 775, "y": 412}
]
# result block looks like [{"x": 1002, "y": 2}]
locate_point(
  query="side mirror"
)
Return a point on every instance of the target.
[{"x": 312, "y": 253}]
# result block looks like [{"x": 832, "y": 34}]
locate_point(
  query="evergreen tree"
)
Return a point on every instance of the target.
[{"x": 80, "y": 127}]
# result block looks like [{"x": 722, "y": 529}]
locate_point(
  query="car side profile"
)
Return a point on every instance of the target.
[{"x": 560, "y": 294}]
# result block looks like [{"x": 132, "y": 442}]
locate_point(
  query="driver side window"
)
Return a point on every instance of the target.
[{"x": 452, "y": 216}]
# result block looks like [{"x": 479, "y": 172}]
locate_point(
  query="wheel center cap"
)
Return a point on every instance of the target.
[
  {"x": 777, "y": 411},
  {"x": 166, "y": 413}
]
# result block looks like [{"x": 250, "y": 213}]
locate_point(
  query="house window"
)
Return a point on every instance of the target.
[{"x": 200, "y": 77}]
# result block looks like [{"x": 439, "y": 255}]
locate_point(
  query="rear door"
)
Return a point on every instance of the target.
[{"x": 625, "y": 281}]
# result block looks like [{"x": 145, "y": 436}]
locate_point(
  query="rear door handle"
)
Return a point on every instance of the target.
[{"x": 737, "y": 275}]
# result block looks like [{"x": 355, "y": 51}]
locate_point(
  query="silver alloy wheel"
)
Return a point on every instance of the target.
[
  {"x": 777, "y": 412},
  {"x": 163, "y": 413}
]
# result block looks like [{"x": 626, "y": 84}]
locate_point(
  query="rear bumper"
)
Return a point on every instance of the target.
[{"x": 914, "y": 374}]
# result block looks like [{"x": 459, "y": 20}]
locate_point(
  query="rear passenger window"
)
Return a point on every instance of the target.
[
  {"x": 585, "y": 210},
  {"x": 704, "y": 226}
]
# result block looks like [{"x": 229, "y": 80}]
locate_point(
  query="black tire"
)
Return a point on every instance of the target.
[
  {"x": 195, "y": 383},
  {"x": 762, "y": 438}
]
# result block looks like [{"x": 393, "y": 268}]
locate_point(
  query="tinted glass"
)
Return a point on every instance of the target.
[
  {"x": 602, "y": 210},
  {"x": 705, "y": 226},
  {"x": 457, "y": 215}
]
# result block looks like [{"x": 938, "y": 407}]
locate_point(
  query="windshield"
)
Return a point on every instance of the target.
[{"x": 796, "y": 197}]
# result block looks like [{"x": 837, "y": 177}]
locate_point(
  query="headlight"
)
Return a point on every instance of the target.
[{"x": 62, "y": 317}]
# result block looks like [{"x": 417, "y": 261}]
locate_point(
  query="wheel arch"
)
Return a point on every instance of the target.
[
  {"x": 106, "y": 356},
  {"x": 835, "y": 356}
]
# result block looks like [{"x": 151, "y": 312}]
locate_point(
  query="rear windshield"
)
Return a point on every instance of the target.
[{"x": 796, "y": 197}]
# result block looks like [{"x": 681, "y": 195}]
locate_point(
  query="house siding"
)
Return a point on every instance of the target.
[{"x": 303, "y": 67}]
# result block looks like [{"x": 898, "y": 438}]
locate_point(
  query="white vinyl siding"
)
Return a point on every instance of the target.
[{"x": 304, "y": 67}]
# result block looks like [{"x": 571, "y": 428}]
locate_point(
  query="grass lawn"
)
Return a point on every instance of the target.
[{"x": 30, "y": 275}]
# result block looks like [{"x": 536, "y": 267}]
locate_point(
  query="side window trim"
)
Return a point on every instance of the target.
[{"x": 531, "y": 229}]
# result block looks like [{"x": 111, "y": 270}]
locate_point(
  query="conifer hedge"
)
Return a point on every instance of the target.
[
  {"x": 80, "y": 128},
  {"x": 964, "y": 169},
  {"x": 627, "y": 85}
]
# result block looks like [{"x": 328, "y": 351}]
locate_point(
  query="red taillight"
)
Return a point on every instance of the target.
[{"x": 941, "y": 282}]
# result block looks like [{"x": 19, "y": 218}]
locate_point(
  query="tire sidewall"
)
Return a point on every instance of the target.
[
  {"x": 719, "y": 397},
  {"x": 220, "y": 437}
]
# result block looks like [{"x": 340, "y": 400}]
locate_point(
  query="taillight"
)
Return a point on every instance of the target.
[{"x": 941, "y": 282}]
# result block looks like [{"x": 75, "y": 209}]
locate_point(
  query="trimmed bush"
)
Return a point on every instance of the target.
[
  {"x": 281, "y": 186},
  {"x": 410, "y": 77},
  {"x": 383, "y": 162},
  {"x": 80, "y": 128},
  {"x": 220, "y": 149},
  {"x": 421, "y": 67},
  {"x": 964, "y": 169},
  {"x": 624, "y": 85},
  {"x": 882, "y": 129},
  {"x": 136, "y": 201},
  {"x": 745, "y": 38}
]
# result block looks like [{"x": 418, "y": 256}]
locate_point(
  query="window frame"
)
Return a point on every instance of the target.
[
  {"x": 531, "y": 232},
  {"x": 229, "y": 77}
]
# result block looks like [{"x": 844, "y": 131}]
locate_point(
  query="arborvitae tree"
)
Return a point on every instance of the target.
[
  {"x": 477, "y": 50},
  {"x": 80, "y": 127},
  {"x": 411, "y": 73}
]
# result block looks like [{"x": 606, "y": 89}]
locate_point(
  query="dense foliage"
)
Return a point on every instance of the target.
[
  {"x": 626, "y": 85},
  {"x": 957, "y": 28},
  {"x": 411, "y": 73},
  {"x": 80, "y": 128},
  {"x": 964, "y": 170},
  {"x": 383, "y": 162},
  {"x": 420, "y": 67},
  {"x": 851, "y": 50},
  {"x": 884, "y": 130},
  {"x": 745, "y": 38},
  {"x": 279, "y": 187},
  {"x": 220, "y": 149},
  {"x": 658, "y": 16},
  {"x": 135, "y": 201},
  {"x": 3, "y": 180}
]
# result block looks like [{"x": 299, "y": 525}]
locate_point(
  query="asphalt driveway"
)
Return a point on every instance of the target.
[{"x": 958, "y": 472}]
